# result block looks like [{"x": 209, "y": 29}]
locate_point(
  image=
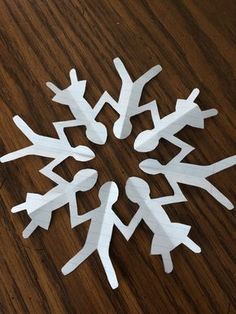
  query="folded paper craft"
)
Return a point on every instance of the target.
[{"x": 167, "y": 235}]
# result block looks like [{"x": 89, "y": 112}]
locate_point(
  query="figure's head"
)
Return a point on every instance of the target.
[
  {"x": 151, "y": 166},
  {"x": 96, "y": 132},
  {"x": 108, "y": 193},
  {"x": 146, "y": 141},
  {"x": 137, "y": 189},
  {"x": 85, "y": 179},
  {"x": 82, "y": 153},
  {"x": 122, "y": 128}
]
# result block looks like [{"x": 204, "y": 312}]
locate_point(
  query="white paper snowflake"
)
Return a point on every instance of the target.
[{"x": 167, "y": 235}]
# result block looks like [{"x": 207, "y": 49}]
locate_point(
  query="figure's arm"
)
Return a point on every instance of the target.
[
  {"x": 61, "y": 125},
  {"x": 177, "y": 197},
  {"x": 128, "y": 230},
  {"x": 73, "y": 210},
  {"x": 19, "y": 207},
  {"x": 152, "y": 106},
  {"x": 185, "y": 149},
  {"x": 53, "y": 88},
  {"x": 105, "y": 98},
  {"x": 48, "y": 172},
  {"x": 79, "y": 219}
]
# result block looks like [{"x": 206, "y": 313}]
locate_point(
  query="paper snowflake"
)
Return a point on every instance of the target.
[{"x": 166, "y": 235}]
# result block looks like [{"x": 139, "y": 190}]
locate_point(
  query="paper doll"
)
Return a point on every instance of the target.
[
  {"x": 127, "y": 105},
  {"x": 40, "y": 207},
  {"x": 187, "y": 113},
  {"x": 190, "y": 174},
  {"x": 103, "y": 220},
  {"x": 56, "y": 148},
  {"x": 73, "y": 97},
  {"x": 167, "y": 235}
]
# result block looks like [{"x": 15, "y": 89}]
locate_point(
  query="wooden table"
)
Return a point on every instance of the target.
[{"x": 195, "y": 43}]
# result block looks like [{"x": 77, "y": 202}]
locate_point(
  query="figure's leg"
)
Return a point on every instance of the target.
[
  {"x": 29, "y": 229},
  {"x": 121, "y": 69},
  {"x": 150, "y": 74},
  {"x": 25, "y": 129},
  {"x": 220, "y": 197},
  {"x": 109, "y": 269},
  {"x": 105, "y": 98},
  {"x": 76, "y": 260},
  {"x": 167, "y": 261},
  {"x": 18, "y": 154},
  {"x": 222, "y": 164},
  {"x": 192, "y": 245}
]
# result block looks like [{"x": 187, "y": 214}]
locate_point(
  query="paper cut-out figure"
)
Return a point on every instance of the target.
[
  {"x": 103, "y": 220},
  {"x": 167, "y": 235},
  {"x": 40, "y": 207},
  {"x": 191, "y": 174},
  {"x": 128, "y": 104},
  {"x": 57, "y": 148},
  {"x": 73, "y": 97},
  {"x": 187, "y": 113}
]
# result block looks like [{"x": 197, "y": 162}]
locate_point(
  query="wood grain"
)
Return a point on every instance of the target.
[{"x": 195, "y": 43}]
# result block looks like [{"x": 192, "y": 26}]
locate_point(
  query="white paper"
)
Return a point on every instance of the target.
[
  {"x": 103, "y": 219},
  {"x": 185, "y": 173},
  {"x": 73, "y": 96},
  {"x": 187, "y": 113},
  {"x": 166, "y": 234},
  {"x": 40, "y": 207},
  {"x": 127, "y": 105},
  {"x": 56, "y": 148}
]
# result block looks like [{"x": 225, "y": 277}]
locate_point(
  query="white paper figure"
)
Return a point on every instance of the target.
[
  {"x": 128, "y": 104},
  {"x": 57, "y": 148},
  {"x": 191, "y": 174},
  {"x": 187, "y": 113},
  {"x": 40, "y": 207},
  {"x": 73, "y": 97},
  {"x": 167, "y": 235},
  {"x": 103, "y": 220}
]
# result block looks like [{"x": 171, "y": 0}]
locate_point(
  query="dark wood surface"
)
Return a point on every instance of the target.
[{"x": 195, "y": 43}]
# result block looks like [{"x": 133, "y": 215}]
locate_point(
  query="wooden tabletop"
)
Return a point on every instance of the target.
[{"x": 195, "y": 43}]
